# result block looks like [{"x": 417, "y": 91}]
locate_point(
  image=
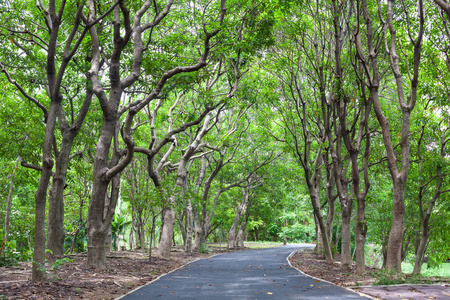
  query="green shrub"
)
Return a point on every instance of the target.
[
  {"x": 204, "y": 248},
  {"x": 298, "y": 233},
  {"x": 80, "y": 243},
  {"x": 60, "y": 262},
  {"x": 385, "y": 277},
  {"x": 9, "y": 255}
]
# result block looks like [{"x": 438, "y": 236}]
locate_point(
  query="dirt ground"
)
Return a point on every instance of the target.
[
  {"x": 426, "y": 288},
  {"x": 309, "y": 263},
  {"x": 126, "y": 271}
]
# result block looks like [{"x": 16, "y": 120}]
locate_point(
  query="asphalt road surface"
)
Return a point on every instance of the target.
[{"x": 252, "y": 274}]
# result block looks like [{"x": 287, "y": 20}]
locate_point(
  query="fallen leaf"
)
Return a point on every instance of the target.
[
  {"x": 269, "y": 293},
  {"x": 311, "y": 285}
]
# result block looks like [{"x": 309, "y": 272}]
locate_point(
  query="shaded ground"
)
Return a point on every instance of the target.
[
  {"x": 308, "y": 262},
  {"x": 424, "y": 288},
  {"x": 126, "y": 271}
]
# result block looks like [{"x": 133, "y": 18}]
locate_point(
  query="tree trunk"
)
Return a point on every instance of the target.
[
  {"x": 239, "y": 244},
  {"x": 330, "y": 218},
  {"x": 239, "y": 212},
  {"x": 394, "y": 247},
  {"x": 199, "y": 234},
  {"x": 319, "y": 240},
  {"x": 202, "y": 225},
  {"x": 189, "y": 226},
  {"x": 330, "y": 198},
  {"x": 360, "y": 235},
  {"x": 38, "y": 272},
  {"x": 241, "y": 232},
  {"x": 322, "y": 230},
  {"x": 97, "y": 249},
  {"x": 55, "y": 73},
  {"x": 420, "y": 254},
  {"x": 232, "y": 236},
  {"x": 181, "y": 191},
  {"x": 142, "y": 235},
  {"x": 346, "y": 252},
  {"x": 407, "y": 104},
  {"x": 165, "y": 242},
  {"x": 182, "y": 223},
  {"x": 97, "y": 227},
  {"x": 55, "y": 234}
]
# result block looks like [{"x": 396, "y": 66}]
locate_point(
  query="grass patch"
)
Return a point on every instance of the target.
[
  {"x": 262, "y": 245},
  {"x": 442, "y": 271},
  {"x": 251, "y": 245}
]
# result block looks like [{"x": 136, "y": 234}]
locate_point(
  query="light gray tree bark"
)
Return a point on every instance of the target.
[
  {"x": 251, "y": 184},
  {"x": 241, "y": 232},
  {"x": 164, "y": 246}
]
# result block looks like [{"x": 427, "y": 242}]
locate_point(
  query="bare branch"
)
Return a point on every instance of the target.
[{"x": 22, "y": 91}]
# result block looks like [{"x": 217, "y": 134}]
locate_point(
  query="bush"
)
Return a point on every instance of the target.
[
  {"x": 9, "y": 255},
  {"x": 60, "y": 262},
  {"x": 204, "y": 248},
  {"x": 298, "y": 233},
  {"x": 385, "y": 277},
  {"x": 80, "y": 244}
]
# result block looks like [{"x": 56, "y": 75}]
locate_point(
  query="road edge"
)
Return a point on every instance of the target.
[
  {"x": 298, "y": 250},
  {"x": 157, "y": 278}
]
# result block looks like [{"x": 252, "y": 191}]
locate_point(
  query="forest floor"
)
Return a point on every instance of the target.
[{"x": 128, "y": 270}]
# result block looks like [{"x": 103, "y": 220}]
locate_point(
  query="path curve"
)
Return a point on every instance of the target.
[{"x": 252, "y": 274}]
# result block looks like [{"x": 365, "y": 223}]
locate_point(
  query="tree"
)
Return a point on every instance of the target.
[
  {"x": 56, "y": 66},
  {"x": 137, "y": 31},
  {"x": 213, "y": 161},
  {"x": 235, "y": 239},
  {"x": 299, "y": 106},
  {"x": 344, "y": 106}
]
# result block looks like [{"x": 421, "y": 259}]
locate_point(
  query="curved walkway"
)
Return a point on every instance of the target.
[{"x": 252, "y": 274}]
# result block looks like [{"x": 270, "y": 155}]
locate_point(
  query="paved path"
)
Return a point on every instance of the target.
[
  {"x": 409, "y": 291},
  {"x": 252, "y": 274}
]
